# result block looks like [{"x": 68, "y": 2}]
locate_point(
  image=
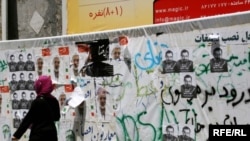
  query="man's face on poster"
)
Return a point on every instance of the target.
[
  {"x": 184, "y": 56},
  {"x": 40, "y": 63},
  {"x": 30, "y": 76},
  {"x": 169, "y": 56},
  {"x": 102, "y": 96},
  {"x": 29, "y": 57},
  {"x": 170, "y": 131},
  {"x": 21, "y": 76},
  {"x": 15, "y": 96},
  {"x": 12, "y": 58},
  {"x": 186, "y": 133},
  {"x": 23, "y": 95},
  {"x": 32, "y": 96},
  {"x": 62, "y": 99},
  {"x": 217, "y": 54},
  {"x": 16, "y": 115},
  {"x": 21, "y": 57},
  {"x": 75, "y": 60},
  {"x": 56, "y": 63},
  {"x": 188, "y": 81},
  {"x": 14, "y": 76},
  {"x": 116, "y": 53}
]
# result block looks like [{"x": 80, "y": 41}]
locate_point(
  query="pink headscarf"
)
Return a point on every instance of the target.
[{"x": 43, "y": 86}]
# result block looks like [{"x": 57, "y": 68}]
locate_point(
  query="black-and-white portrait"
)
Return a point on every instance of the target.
[
  {"x": 184, "y": 63},
  {"x": 16, "y": 118},
  {"x": 186, "y": 133},
  {"x": 217, "y": 63},
  {"x": 170, "y": 133},
  {"x": 21, "y": 62},
  {"x": 24, "y": 101},
  {"x": 30, "y": 82},
  {"x": 32, "y": 96},
  {"x": 15, "y": 100},
  {"x": 22, "y": 81},
  {"x": 12, "y": 63},
  {"x": 188, "y": 88},
  {"x": 29, "y": 64},
  {"x": 13, "y": 84},
  {"x": 169, "y": 65}
]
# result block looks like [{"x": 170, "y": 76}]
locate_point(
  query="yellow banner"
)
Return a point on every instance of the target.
[{"x": 99, "y": 15}]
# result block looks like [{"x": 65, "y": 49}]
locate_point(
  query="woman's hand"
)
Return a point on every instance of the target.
[{"x": 14, "y": 139}]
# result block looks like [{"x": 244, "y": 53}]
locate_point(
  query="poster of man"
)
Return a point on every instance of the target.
[
  {"x": 169, "y": 64},
  {"x": 14, "y": 82},
  {"x": 103, "y": 102},
  {"x": 77, "y": 61},
  {"x": 59, "y": 64},
  {"x": 16, "y": 118},
  {"x": 29, "y": 64},
  {"x": 22, "y": 81},
  {"x": 170, "y": 132},
  {"x": 21, "y": 62},
  {"x": 124, "y": 43},
  {"x": 12, "y": 63},
  {"x": 24, "y": 103},
  {"x": 218, "y": 63},
  {"x": 186, "y": 132},
  {"x": 32, "y": 96},
  {"x": 116, "y": 53},
  {"x": 185, "y": 63},
  {"x": 188, "y": 87},
  {"x": 30, "y": 82},
  {"x": 15, "y": 100},
  {"x": 58, "y": 69}
]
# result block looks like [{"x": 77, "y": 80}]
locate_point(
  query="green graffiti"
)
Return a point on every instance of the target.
[
  {"x": 202, "y": 45},
  {"x": 124, "y": 88},
  {"x": 241, "y": 62},
  {"x": 220, "y": 78},
  {"x": 203, "y": 68},
  {"x": 195, "y": 122},
  {"x": 157, "y": 131},
  {"x": 205, "y": 55},
  {"x": 147, "y": 124},
  {"x": 113, "y": 82},
  {"x": 244, "y": 61},
  {"x": 126, "y": 134},
  {"x": 232, "y": 57},
  {"x": 172, "y": 113},
  {"x": 240, "y": 74},
  {"x": 143, "y": 90},
  {"x": 6, "y": 131},
  {"x": 3, "y": 65},
  {"x": 2, "y": 81}
]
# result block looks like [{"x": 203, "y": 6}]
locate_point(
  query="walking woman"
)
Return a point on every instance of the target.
[{"x": 43, "y": 113}]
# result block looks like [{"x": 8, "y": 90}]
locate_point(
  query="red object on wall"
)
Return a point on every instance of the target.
[{"x": 4, "y": 89}]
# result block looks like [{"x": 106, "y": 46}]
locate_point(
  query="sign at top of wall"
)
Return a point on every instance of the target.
[
  {"x": 168, "y": 10},
  {"x": 98, "y": 15}
]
